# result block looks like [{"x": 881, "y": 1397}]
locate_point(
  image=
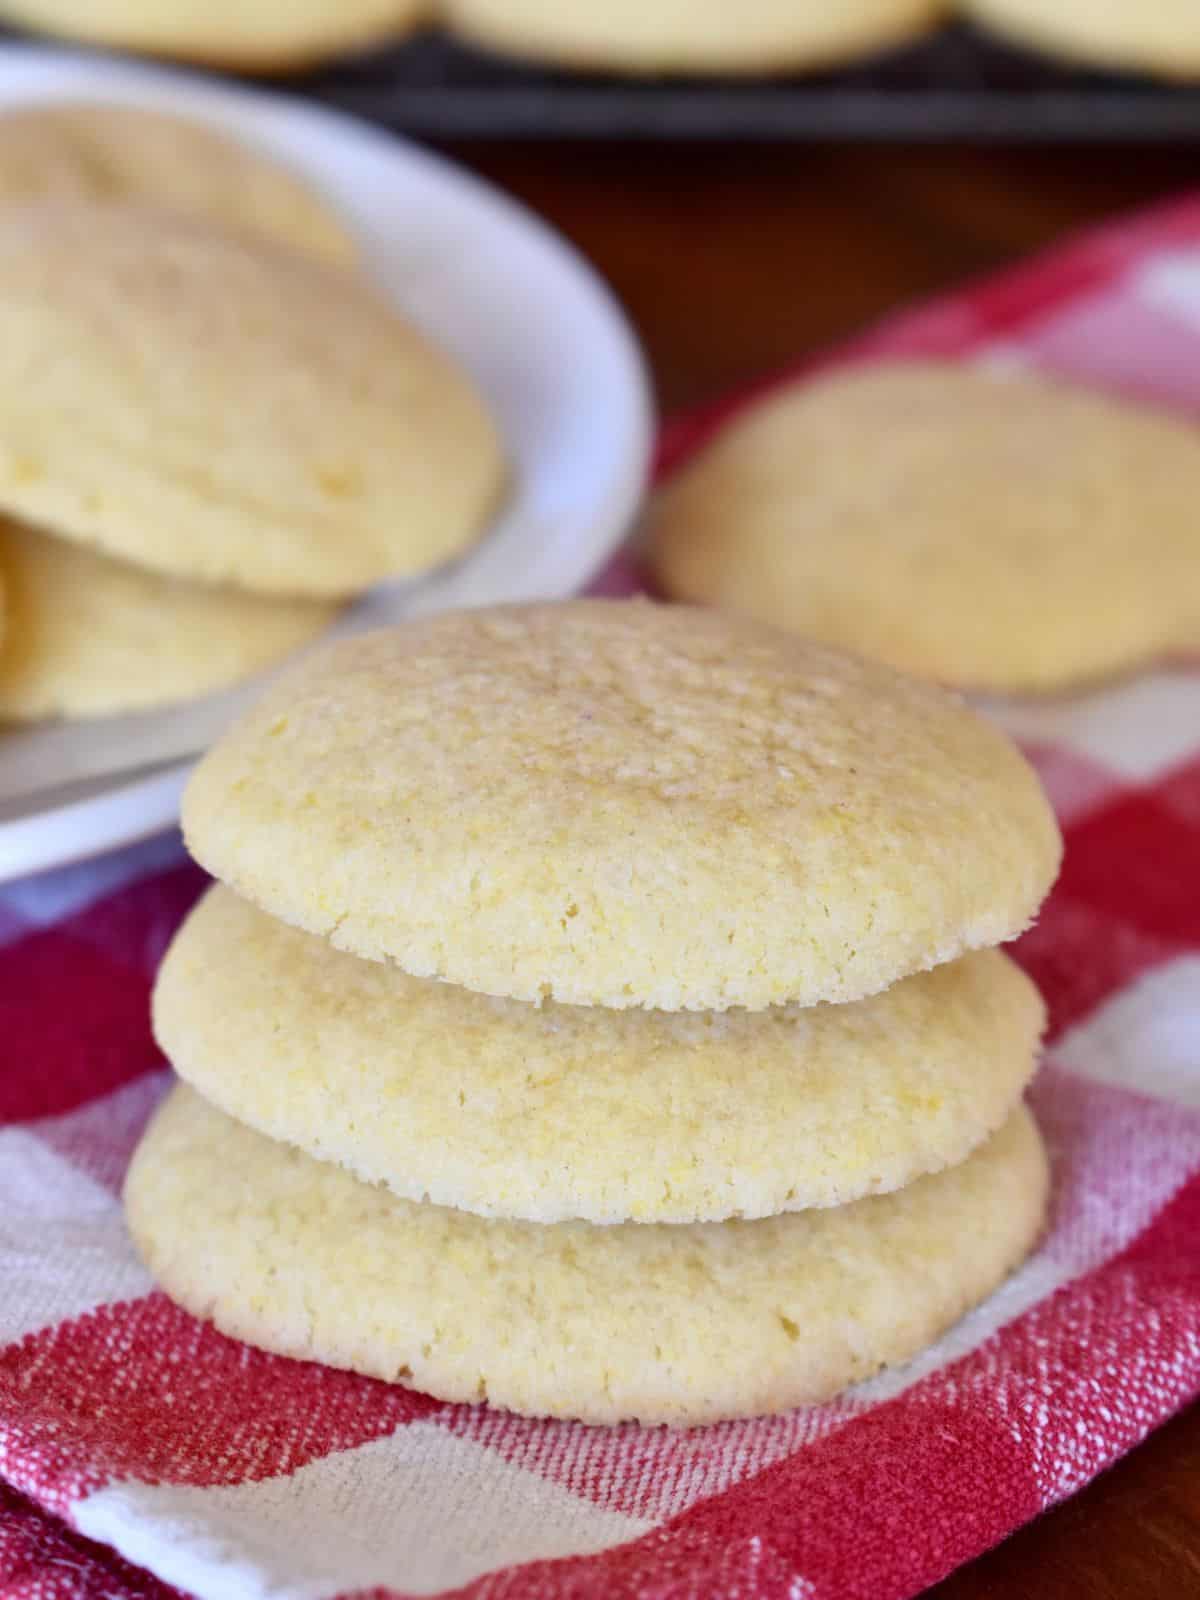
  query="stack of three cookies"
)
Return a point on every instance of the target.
[{"x": 715, "y": 1108}]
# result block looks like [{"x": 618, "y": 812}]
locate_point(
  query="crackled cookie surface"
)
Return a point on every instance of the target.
[{"x": 624, "y": 804}]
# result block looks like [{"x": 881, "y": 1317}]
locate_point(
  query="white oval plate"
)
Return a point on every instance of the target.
[{"x": 533, "y": 323}]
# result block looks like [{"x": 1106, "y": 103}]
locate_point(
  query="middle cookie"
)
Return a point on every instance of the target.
[{"x": 555, "y": 1112}]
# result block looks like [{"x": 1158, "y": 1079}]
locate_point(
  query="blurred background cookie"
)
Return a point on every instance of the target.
[
  {"x": 252, "y": 35},
  {"x": 1158, "y": 36},
  {"x": 994, "y": 532},
  {"x": 87, "y": 635},
  {"x": 69, "y": 151},
  {"x": 648, "y": 36},
  {"x": 218, "y": 409}
]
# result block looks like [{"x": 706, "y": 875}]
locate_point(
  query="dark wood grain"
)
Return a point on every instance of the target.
[{"x": 733, "y": 261}]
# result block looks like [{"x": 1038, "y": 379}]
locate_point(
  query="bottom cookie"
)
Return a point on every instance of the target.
[{"x": 682, "y": 1324}]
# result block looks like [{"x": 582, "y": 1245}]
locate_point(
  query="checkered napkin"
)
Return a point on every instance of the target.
[{"x": 126, "y": 1426}]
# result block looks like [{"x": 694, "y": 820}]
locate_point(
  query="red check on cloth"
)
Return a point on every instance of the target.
[{"x": 139, "y": 1448}]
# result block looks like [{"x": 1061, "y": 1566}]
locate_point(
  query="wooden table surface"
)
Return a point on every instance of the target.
[{"x": 730, "y": 262}]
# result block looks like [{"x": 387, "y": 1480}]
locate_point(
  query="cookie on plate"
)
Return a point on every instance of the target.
[
  {"x": 68, "y": 150},
  {"x": 686, "y": 36},
  {"x": 219, "y": 409},
  {"x": 554, "y": 1112},
  {"x": 622, "y": 804},
  {"x": 683, "y": 1325},
  {"x": 1156, "y": 36},
  {"x": 996, "y": 532},
  {"x": 246, "y": 35},
  {"x": 87, "y": 636}
]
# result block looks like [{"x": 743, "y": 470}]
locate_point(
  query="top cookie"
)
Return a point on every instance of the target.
[
  {"x": 692, "y": 35},
  {"x": 215, "y": 408},
  {"x": 624, "y": 804},
  {"x": 251, "y": 35},
  {"x": 70, "y": 151},
  {"x": 1161, "y": 36},
  {"x": 995, "y": 532}
]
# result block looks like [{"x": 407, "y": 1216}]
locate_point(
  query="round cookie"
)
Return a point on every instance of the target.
[
  {"x": 1157, "y": 36},
  {"x": 87, "y": 636},
  {"x": 245, "y": 35},
  {"x": 555, "y": 1112},
  {"x": 995, "y": 532},
  {"x": 623, "y": 804},
  {"x": 686, "y": 36},
  {"x": 66, "y": 150},
  {"x": 219, "y": 409},
  {"x": 682, "y": 1325}
]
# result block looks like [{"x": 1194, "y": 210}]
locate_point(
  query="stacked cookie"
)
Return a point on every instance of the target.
[
  {"x": 211, "y": 432},
  {"x": 598, "y": 1013}
]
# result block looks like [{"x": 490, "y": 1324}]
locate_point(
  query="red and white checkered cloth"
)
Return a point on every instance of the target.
[{"x": 126, "y": 1424}]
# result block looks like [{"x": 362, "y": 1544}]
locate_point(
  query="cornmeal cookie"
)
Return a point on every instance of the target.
[
  {"x": 624, "y": 804},
  {"x": 248, "y": 35},
  {"x": 692, "y": 35},
  {"x": 1158, "y": 36},
  {"x": 87, "y": 635},
  {"x": 69, "y": 151},
  {"x": 1003, "y": 533},
  {"x": 553, "y": 1112},
  {"x": 660, "y": 1324},
  {"x": 219, "y": 409}
]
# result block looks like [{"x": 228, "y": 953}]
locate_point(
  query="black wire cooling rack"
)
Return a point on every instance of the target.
[{"x": 956, "y": 85}]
